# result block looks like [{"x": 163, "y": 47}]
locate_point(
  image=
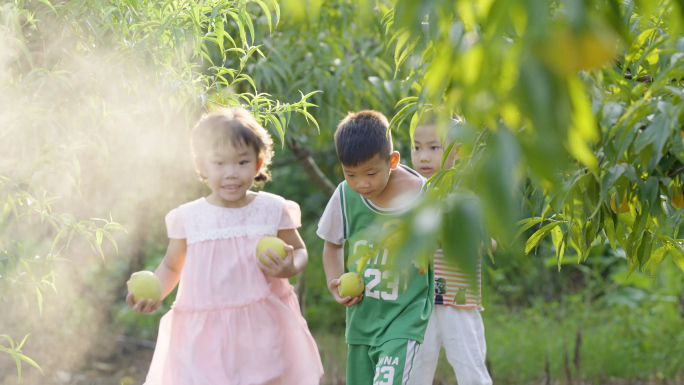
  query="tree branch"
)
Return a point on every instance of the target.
[
  {"x": 676, "y": 172},
  {"x": 303, "y": 156},
  {"x": 292, "y": 159}
]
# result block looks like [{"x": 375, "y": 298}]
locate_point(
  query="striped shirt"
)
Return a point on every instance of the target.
[{"x": 452, "y": 287}]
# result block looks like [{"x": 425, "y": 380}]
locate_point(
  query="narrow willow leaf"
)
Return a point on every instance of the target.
[
  {"x": 219, "y": 32},
  {"x": 414, "y": 123},
  {"x": 279, "y": 128},
  {"x": 557, "y": 237},
  {"x": 22, "y": 342},
  {"x": 448, "y": 150},
  {"x": 609, "y": 230},
  {"x": 656, "y": 258},
  {"x": 39, "y": 295},
  {"x": 526, "y": 224},
  {"x": 267, "y": 13},
  {"x": 30, "y": 361},
  {"x": 678, "y": 258},
  {"x": 537, "y": 236},
  {"x": 401, "y": 115},
  {"x": 310, "y": 117}
]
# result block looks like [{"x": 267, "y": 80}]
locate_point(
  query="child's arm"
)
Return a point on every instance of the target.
[
  {"x": 333, "y": 264},
  {"x": 168, "y": 272},
  {"x": 296, "y": 260}
]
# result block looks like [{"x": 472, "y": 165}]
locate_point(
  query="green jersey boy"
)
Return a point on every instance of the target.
[{"x": 386, "y": 323}]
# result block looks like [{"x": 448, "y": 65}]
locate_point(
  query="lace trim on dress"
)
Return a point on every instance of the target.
[{"x": 233, "y": 232}]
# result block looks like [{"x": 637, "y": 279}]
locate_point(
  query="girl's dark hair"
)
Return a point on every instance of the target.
[
  {"x": 362, "y": 135},
  {"x": 232, "y": 126}
]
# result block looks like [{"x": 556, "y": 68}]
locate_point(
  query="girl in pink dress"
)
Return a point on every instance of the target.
[{"x": 236, "y": 320}]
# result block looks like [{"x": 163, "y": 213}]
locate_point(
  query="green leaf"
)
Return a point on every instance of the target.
[
  {"x": 267, "y": 13},
  {"x": 401, "y": 115},
  {"x": 17, "y": 362},
  {"x": 538, "y": 235},
  {"x": 447, "y": 152},
  {"x": 414, "y": 123},
  {"x": 218, "y": 25},
  {"x": 23, "y": 341},
  {"x": 557, "y": 237},
  {"x": 13, "y": 205},
  {"x": 195, "y": 14},
  {"x": 112, "y": 240},
  {"x": 276, "y": 8},
  {"x": 30, "y": 362},
  {"x": 279, "y": 128},
  {"x": 678, "y": 258},
  {"x": 39, "y": 296},
  {"x": 526, "y": 224},
  {"x": 248, "y": 21},
  {"x": 49, "y": 4},
  {"x": 309, "y": 117},
  {"x": 463, "y": 218},
  {"x": 11, "y": 342},
  {"x": 609, "y": 229},
  {"x": 247, "y": 78},
  {"x": 656, "y": 258}
]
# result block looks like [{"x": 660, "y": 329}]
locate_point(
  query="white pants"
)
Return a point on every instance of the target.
[{"x": 461, "y": 332}]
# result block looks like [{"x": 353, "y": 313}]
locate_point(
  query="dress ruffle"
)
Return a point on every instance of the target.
[{"x": 260, "y": 343}]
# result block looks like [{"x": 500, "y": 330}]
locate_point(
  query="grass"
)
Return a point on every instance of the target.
[{"x": 618, "y": 342}]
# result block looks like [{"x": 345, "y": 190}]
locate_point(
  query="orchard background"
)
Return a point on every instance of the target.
[{"x": 572, "y": 145}]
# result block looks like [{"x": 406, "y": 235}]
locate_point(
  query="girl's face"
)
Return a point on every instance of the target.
[
  {"x": 230, "y": 172},
  {"x": 427, "y": 154}
]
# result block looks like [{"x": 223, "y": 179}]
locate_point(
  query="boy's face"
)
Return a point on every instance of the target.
[
  {"x": 426, "y": 155},
  {"x": 369, "y": 178}
]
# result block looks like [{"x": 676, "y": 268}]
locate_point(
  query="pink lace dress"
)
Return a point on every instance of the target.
[{"x": 231, "y": 324}]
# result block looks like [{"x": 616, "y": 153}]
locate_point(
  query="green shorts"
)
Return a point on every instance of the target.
[{"x": 387, "y": 364}]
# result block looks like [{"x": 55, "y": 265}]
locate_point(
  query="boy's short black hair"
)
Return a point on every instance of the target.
[{"x": 362, "y": 135}]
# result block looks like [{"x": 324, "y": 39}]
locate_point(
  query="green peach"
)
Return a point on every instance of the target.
[
  {"x": 351, "y": 285},
  {"x": 144, "y": 284},
  {"x": 277, "y": 244}
]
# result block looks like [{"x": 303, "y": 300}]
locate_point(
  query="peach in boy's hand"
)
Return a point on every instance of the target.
[
  {"x": 348, "y": 301},
  {"x": 351, "y": 284},
  {"x": 273, "y": 263}
]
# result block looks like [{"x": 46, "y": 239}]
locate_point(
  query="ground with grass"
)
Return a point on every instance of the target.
[{"x": 536, "y": 345}]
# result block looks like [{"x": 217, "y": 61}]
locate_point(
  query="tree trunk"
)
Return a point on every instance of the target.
[
  {"x": 303, "y": 157},
  {"x": 566, "y": 365},
  {"x": 576, "y": 359}
]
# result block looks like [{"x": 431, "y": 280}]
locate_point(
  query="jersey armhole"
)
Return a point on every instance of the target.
[{"x": 345, "y": 229}]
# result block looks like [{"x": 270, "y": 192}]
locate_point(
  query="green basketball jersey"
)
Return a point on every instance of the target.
[{"x": 395, "y": 304}]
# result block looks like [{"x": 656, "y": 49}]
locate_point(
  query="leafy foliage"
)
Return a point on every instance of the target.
[
  {"x": 578, "y": 100},
  {"x": 14, "y": 350}
]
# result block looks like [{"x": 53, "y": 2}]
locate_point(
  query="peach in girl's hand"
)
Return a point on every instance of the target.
[
  {"x": 275, "y": 243},
  {"x": 145, "y": 285}
]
